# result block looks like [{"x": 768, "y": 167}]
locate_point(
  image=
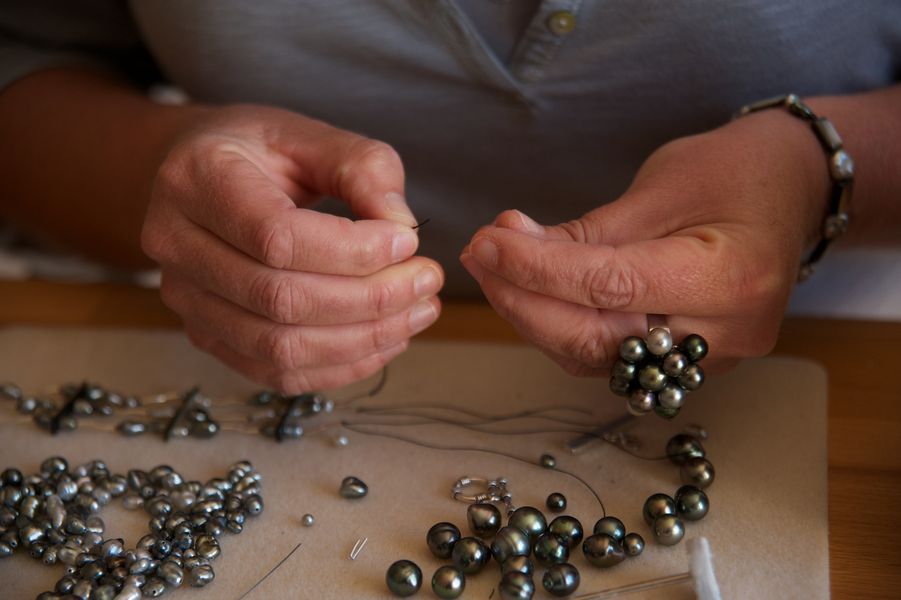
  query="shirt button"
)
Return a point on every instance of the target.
[{"x": 561, "y": 22}]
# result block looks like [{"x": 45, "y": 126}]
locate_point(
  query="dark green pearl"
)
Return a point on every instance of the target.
[
  {"x": 567, "y": 528},
  {"x": 698, "y": 472},
  {"x": 612, "y": 527},
  {"x": 521, "y": 564},
  {"x": 652, "y": 378},
  {"x": 448, "y": 582},
  {"x": 529, "y": 520},
  {"x": 692, "y": 378},
  {"x": 692, "y": 503},
  {"x": 633, "y": 349},
  {"x": 633, "y": 544},
  {"x": 547, "y": 461},
  {"x": 441, "y": 539},
  {"x": 694, "y": 347},
  {"x": 556, "y": 502},
  {"x": 470, "y": 555},
  {"x": 601, "y": 550},
  {"x": 668, "y": 530},
  {"x": 509, "y": 542},
  {"x": 404, "y": 578},
  {"x": 516, "y": 586},
  {"x": 682, "y": 446},
  {"x": 561, "y": 580},
  {"x": 484, "y": 519},
  {"x": 657, "y": 505},
  {"x": 549, "y": 550}
]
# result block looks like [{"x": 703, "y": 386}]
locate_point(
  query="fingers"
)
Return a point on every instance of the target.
[{"x": 291, "y": 347}]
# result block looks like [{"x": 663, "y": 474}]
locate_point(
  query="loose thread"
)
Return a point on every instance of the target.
[
  {"x": 271, "y": 571},
  {"x": 420, "y": 224}
]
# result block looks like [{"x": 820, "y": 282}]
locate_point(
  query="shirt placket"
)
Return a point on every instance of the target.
[{"x": 553, "y": 23}]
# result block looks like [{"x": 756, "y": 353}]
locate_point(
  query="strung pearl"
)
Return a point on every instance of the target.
[
  {"x": 674, "y": 363},
  {"x": 671, "y": 396},
  {"x": 652, "y": 378},
  {"x": 692, "y": 378},
  {"x": 694, "y": 347},
  {"x": 633, "y": 349},
  {"x": 659, "y": 341}
]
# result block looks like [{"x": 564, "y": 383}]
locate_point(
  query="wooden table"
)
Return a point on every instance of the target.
[{"x": 863, "y": 360}]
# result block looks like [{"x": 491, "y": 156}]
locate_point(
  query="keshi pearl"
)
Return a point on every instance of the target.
[
  {"x": 561, "y": 580},
  {"x": 529, "y": 520},
  {"x": 698, "y": 472},
  {"x": 641, "y": 402},
  {"x": 692, "y": 503},
  {"x": 470, "y": 555},
  {"x": 547, "y": 461},
  {"x": 404, "y": 578},
  {"x": 509, "y": 542},
  {"x": 694, "y": 347},
  {"x": 171, "y": 573},
  {"x": 674, "y": 363},
  {"x": 652, "y": 378},
  {"x": 623, "y": 370},
  {"x": 601, "y": 550},
  {"x": 671, "y": 396},
  {"x": 448, "y": 582},
  {"x": 556, "y": 502},
  {"x": 668, "y": 530},
  {"x": 307, "y": 520},
  {"x": 521, "y": 564},
  {"x": 633, "y": 349},
  {"x": 657, "y": 505},
  {"x": 683, "y": 446},
  {"x": 692, "y": 378},
  {"x": 516, "y": 586},
  {"x": 567, "y": 529},
  {"x": 484, "y": 519},
  {"x": 612, "y": 527},
  {"x": 620, "y": 387},
  {"x": 633, "y": 544},
  {"x": 659, "y": 341},
  {"x": 441, "y": 539},
  {"x": 352, "y": 487},
  {"x": 549, "y": 550}
]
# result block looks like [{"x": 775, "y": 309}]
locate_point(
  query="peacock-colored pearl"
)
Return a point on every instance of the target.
[
  {"x": 692, "y": 504},
  {"x": 633, "y": 349},
  {"x": 510, "y": 542},
  {"x": 470, "y": 555},
  {"x": 484, "y": 519},
  {"x": 657, "y": 505},
  {"x": 448, "y": 582},
  {"x": 612, "y": 527},
  {"x": 441, "y": 539},
  {"x": 561, "y": 580},
  {"x": 692, "y": 378},
  {"x": 550, "y": 550},
  {"x": 601, "y": 550},
  {"x": 641, "y": 402},
  {"x": 568, "y": 529},
  {"x": 522, "y": 564},
  {"x": 694, "y": 347},
  {"x": 404, "y": 578},
  {"x": 516, "y": 586},
  {"x": 652, "y": 378},
  {"x": 530, "y": 520}
]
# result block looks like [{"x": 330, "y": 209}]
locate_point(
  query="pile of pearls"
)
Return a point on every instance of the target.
[
  {"x": 655, "y": 375},
  {"x": 53, "y": 516}
]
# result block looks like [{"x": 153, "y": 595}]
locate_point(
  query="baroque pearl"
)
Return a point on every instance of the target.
[
  {"x": 508, "y": 542},
  {"x": 561, "y": 580},
  {"x": 484, "y": 519},
  {"x": 404, "y": 578},
  {"x": 522, "y": 564},
  {"x": 529, "y": 520},
  {"x": 352, "y": 487},
  {"x": 441, "y": 539},
  {"x": 516, "y": 586},
  {"x": 601, "y": 550}
]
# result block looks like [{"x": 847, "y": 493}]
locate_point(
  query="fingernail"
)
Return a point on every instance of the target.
[
  {"x": 403, "y": 245},
  {"x": 422, "y": 315},
  {"x": 530, "y": 225},
  {"x": 473, "y": 267},
  {"x": 426, "y": 283},
  {"x": 485, "y": 252},
  {"x": 397, "y": 206}
]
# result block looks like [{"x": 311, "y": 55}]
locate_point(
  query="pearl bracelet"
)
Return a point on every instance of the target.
[{"x": 841, "y": 172}]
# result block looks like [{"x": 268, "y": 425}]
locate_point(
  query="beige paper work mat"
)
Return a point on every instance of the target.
[{"x": 767, "y": 421}]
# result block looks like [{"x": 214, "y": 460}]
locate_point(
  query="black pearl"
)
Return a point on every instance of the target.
[
  {"x": 470, "y": 555},
  {"x": 448, "y": 582},
  {"x": 547, "y": 461},
  {"x": 698, "y": 472},
  {"x": 509, "y": 542},
  {"x": 652, "y": 378},
  {"x": 612, "y": 527},
  {"x": 683, "y": 446},
  {"x": 567, "y": 529},
  {"x": 666, "y": 412},
  {"x": 674, "y": 363},
  {"x": 671, "y": 396},
  {"x": 633, "y": 544},
  {"x": 668, "y": 530},
  {"x": 692, "y": 504},
  {"x": 556, "y": 502},
  {"x": 549, "y": 550},
  {"x": 601, "y": 550},
  {"x": 561, "y": 580},
  {"x": 522, "y": 564},
  {"x": 516, "y": 586},
  {"x": 620, "y": 387},
  {"x": 641, "y": 401},
  {"x": 692, "y": 378},
  {"x": 633, "y": 349},
  {"x": 352, "y": 487},
  {"x": 441, "y": 539},
  {"x": 694, "y": 347},
  {"x": 529, "y": 520},
  {"x": 657, "y": 505},
  {"x": 659, "y": 341},
  {"x": 404, "y": 578},
  {"x": 623, "y": 370},
  {"x": 484, "y": 519}
]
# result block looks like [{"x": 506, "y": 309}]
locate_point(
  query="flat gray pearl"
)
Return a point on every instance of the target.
[
  {"x": 659, "y": 341},
  {"x": 509, "y": 542},
  {"x": 207, "y": 546},
  {"x": 671, "y": 396},
  {"x": 633, "y": 349},
  {"x": 516, "y": 586},
  {"x": 404, "y": 578},
  {"x": 692, "y": 504},
  {"x": 641, "y": 402},
  {"x": 352, "y": 487},
  {"x": 550, "y": 550},
  {"x": 556, "y": 502},
  {"x": 692, "y": 378},
  {"x": 561, "y": 580},
  {"x": 470, "y": 555},
  {"x": 441, "y": 539},
  {"x": 601, "y": 550},
  {"x": 652, "y": 378},
  {"x": 522, "y": 564},
  {"x": 698, "y": 472},
  {"x": 657, "y": 505},
  {"x": 484, "y": 519},
  {"x": 683, "y": 446},
  {"x": 530, "y": 520},
  {"x": 448, "y": 582},
  {"x": 623, "y": 370},
  {"x": 668, "y": 530},
  {"x": 620, "y": 387},
  {"x": 694, "y": 347},
  {"x": 633, "y": 544},
  {"x": 568, "y": 529},
  {"x": 612, "y": 527},
  {"x": 674, "y": 363}
]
